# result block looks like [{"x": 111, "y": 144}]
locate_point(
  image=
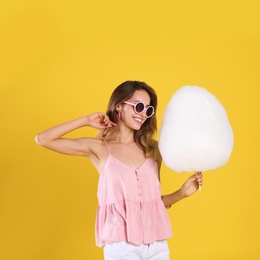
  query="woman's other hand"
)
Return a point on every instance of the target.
[{"x": 100, "y": 120}]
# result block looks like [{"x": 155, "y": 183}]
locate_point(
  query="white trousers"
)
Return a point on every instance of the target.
[{"x": 125, "y": 251}]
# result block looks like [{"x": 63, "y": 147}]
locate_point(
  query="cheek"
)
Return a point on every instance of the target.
[
  {"x": 126, "y": 116},
  {"x": 127, "y": 112}
]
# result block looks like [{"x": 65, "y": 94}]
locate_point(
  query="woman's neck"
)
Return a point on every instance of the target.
[{"x": 125, "y": 135}]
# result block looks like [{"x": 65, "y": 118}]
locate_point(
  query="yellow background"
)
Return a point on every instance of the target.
[{"x": 62, "y": 59}]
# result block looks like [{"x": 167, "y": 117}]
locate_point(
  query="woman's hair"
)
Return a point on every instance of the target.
[{"x": 144, "y": 136}]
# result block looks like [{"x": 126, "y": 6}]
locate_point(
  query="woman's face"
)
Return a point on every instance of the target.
[{"x": 128, "y": 115}]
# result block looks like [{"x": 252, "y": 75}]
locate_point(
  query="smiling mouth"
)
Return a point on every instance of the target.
[{"x": 138, "y": 120}]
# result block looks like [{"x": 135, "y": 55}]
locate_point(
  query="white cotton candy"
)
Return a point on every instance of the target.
[{"x": 195, "y": 134}]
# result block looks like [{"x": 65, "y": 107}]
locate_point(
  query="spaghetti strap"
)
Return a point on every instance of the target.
[{"x": 106, "y": 147}]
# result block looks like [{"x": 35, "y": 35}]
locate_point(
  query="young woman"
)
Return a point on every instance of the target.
[{"x": 131, "y": 221}]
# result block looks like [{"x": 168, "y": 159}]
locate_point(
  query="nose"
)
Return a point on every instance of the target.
[{"x": 143, "y": 114}]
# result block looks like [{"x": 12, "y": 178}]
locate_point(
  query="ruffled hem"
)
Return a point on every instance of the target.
[{"x": 135, "y": 222}]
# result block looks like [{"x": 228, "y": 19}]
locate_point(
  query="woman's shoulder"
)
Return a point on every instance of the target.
[
  {"x": 97, "y": 152},
  {"x": 95, "y": 146}
]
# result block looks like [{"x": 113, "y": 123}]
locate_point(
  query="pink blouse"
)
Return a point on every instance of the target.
[{"x": 130, "y": 205}]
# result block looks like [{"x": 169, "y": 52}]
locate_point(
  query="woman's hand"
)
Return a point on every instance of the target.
[
  {"x": 192, "y": 184},
  {"x": 99, "y": 120},
  {"x": 187, "y": 189}
]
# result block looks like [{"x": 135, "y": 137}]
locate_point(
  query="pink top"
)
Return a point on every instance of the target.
[{"x": 130, "y": 205}]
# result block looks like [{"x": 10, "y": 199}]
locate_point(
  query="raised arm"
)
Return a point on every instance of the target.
[{"x": 52, "y": 138}]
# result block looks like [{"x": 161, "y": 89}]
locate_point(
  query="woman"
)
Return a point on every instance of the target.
[{"x": 131, "y": 221}]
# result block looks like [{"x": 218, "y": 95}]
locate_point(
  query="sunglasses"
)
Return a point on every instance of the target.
[{"x": 139, "y": 108}]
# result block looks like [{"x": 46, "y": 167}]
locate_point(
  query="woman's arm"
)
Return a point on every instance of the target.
[
  {"x": 52, "y": 137},
  {"x": 187, "y": 189}
]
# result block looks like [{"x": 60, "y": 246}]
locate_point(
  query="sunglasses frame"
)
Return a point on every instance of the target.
[{"x": 145, "y": 108}]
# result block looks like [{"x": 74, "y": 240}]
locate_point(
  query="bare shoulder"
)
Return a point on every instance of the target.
[
  {"x": 96, "y": 147},
  {"x": 97, "y": 152}
]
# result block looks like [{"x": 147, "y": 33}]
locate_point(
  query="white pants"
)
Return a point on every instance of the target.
[{"x": 125, "y": 251}]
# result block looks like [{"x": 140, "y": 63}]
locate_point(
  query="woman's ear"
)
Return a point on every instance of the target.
[
  {"x": 119, "y": 108},
  {"x": 118, "y": 113}
]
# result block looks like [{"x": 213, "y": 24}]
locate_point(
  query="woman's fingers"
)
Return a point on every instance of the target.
[
  {"x": 199, "y": 177},
  {"x": 105, "y": 121}
]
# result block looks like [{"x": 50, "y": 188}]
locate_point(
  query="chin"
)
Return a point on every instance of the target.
[{"x": 137, "y": 127}]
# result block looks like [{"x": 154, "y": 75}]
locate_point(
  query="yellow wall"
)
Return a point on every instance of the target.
[{"x": 61, "y": 60}]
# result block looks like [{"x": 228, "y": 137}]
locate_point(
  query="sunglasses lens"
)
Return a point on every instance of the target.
[
  {"x": 139, "y": 107},
  {"x": 149, "y": 112}
]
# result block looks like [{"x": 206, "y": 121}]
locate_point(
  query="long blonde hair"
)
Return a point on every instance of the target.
[{"x": 144, "y": 136}]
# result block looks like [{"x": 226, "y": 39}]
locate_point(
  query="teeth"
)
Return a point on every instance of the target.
[{"x": 139, "y": 120}]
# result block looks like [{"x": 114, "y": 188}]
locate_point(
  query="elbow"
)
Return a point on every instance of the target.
[
  {"x": 38, "y": 139},
  {"x": 165, "y": 204},
  {"x": 43, "y": 140}
]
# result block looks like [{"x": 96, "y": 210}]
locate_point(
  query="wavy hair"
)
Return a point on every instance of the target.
[{"x": 144, "y": 136}]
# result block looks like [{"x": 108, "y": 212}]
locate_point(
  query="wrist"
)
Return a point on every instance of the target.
[
  {"x": 181, "y": 194},
  {"x": 85, "y": 121}
]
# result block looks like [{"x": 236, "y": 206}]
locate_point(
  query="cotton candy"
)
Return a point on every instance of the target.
[{"x": 195, "y": 134}]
